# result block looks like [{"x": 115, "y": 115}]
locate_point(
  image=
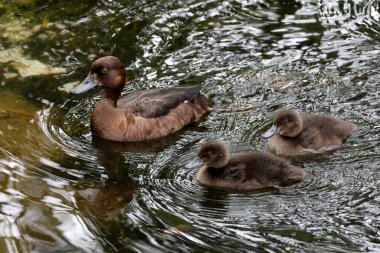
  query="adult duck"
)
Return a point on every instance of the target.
[
  {"x": 295, "y": 134},
  {"x": 244, "y": 171},
  {"x": 142, "y": 115}
]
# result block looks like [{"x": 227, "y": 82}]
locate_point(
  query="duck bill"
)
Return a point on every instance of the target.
[
  {"x": 84, "y": 86},
  {"x": 270, "y": 132}
]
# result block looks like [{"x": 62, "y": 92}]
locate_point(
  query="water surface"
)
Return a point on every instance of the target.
[{"x": 62, "y": 190}]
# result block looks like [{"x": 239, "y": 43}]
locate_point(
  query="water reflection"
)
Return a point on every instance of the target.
[
  {"x": 46, "y": 205},
  {"x": 76, "y": 211},
  {"x": 27, "y": 202},
  {"x": 136, "y": 147}
]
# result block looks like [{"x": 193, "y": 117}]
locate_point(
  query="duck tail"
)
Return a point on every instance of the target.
[
  {"x": 203, "y": 103},
  {"x": 295, "y": 174}
]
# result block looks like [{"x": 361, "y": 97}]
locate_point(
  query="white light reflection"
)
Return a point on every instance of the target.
[{"x": 75, "y": 229}]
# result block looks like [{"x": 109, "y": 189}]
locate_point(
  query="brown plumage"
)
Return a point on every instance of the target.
[
  {"x": 294, "y": 134},
  {"x": 244, "y": 171},
  {"x": 142, "y": 115}
]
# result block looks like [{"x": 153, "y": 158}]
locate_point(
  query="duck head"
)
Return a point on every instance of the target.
[
  {"x": 286, "y": 123},
  {"x": 107, "y": 72},
  {"x": 214, "y": 154}
]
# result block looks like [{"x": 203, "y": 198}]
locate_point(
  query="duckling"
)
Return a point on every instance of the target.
[
  {"x": 244, "y": 171},
  {"x": 142, "y": 115},
  {"x": 293, "y": 134}
]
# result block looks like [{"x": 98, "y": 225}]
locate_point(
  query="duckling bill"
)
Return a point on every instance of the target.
[
  {"x": 295, "y": 134},
  {"x": 142, "y": 115},
  {"x": 244, "y": 171}
]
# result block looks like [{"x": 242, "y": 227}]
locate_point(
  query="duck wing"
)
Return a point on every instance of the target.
[
  {"x": 309, "y": 136},
  {"x": 157, "y": 102}
]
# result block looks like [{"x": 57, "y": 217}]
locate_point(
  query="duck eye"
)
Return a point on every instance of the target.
[
  {"x": 104, "y": 70},
  {"x": 284, "y": 122}
]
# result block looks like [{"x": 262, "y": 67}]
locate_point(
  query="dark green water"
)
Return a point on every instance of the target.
[{"x": 61, "y": 190}]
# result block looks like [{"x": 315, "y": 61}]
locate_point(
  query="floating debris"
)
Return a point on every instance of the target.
[
  {"x": 27, "y": 67},
  {"x": 35, "y": 68},
  {"x": 17, "y": 30},
  {"x": 68, "y": 86},
  {"x": 10, "y": 75}
]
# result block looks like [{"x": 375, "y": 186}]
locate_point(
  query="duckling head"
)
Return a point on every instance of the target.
[
  {"x": 214, "y": 154},
  {"x": 286, "y": 123}
]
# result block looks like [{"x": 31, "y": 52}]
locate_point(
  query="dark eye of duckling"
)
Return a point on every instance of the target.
[
  {"x": 284, "y": 122},
  {"x": 203, "y": 155},
  {"x": 206, "y": 154}
]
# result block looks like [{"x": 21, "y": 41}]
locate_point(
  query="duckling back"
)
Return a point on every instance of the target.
[
  {"x": 266, "y": 169},
  {"x": 330, "y": 129},
  {"x": 249, "y": 171},
  {"x": 319, "y": 133}
]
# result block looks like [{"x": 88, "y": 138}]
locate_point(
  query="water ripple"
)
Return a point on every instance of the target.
[{"x": 63, "y": 189}]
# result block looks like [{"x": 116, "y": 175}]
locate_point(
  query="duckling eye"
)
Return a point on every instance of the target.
[
  {"x": 204, "y": 155},
  {"x": 104, "y": 70},
  {"x": 283, "y": 123}
]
